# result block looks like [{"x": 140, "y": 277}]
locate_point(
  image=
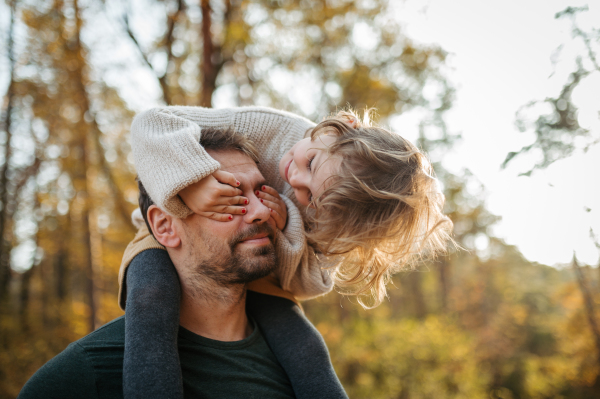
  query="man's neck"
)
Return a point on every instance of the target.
[{"x": 215, "y": 312}]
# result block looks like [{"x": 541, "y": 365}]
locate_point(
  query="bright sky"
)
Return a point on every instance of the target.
[{"x": 501, "y": 60}]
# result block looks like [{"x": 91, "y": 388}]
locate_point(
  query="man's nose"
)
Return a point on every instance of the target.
[{"x": 256, "y": 211}]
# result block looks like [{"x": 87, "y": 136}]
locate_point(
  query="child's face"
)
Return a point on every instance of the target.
[{"x": 307, "y": 166}]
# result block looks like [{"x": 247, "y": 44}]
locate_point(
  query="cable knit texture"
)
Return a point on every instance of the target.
[{"x": 168, "y": 157}]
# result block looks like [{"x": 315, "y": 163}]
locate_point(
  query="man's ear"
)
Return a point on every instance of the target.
[{"x": 161, "y": 224}]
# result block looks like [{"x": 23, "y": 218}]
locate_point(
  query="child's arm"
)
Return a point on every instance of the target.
[
  {"x": 151, "y": 368},
  {"x": 165, "y": 144},
  {"x": 168, "y": 155},
  {"x": 298, "y": 346}
]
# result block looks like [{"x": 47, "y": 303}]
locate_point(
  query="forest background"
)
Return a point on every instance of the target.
[{"x": 483, "y": 322}]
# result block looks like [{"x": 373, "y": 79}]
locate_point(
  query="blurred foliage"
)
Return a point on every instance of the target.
[
  {"x": 479, "y": 323},
  {"x": 512, "y": 329},
  {"x": 558, "y": 133}
]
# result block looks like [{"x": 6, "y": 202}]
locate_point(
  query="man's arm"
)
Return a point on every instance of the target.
[{"x": 69, "y": 375}]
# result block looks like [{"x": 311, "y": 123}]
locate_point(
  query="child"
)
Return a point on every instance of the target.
[{"x": 375, "y": 207}]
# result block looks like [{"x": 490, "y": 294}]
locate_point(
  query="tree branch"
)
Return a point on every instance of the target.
[
  {"x": 5, "y": 272},
  {"x": 166, "y": 42},
  {"x": 208, "y": 49},
  {"x": 135, "y": 41}
]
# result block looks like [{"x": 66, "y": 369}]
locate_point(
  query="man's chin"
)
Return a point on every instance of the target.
[{"x": 254, "y": 263}]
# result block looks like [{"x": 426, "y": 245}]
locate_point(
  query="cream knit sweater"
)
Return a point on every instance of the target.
[{"x": 168, "y": 157}]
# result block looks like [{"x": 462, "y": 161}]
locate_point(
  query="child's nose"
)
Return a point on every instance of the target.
[{"x": 296, "y": 178}]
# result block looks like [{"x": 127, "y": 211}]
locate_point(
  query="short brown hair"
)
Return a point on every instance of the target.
[
  {"x": 382, "y": 210},
  {"x": 211, "y": 139}
]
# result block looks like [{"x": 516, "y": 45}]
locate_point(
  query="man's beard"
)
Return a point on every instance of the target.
[{"x": 231, "y": 264}]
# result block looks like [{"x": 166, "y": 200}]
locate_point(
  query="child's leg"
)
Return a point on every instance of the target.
[
  {"x": 151, "y": 367},
  {"x": 297, "y": 345}
]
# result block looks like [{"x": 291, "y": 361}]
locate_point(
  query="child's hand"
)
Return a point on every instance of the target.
[
  {"x": 215, "y": 197},
  {"x": 270, "y": 197}
]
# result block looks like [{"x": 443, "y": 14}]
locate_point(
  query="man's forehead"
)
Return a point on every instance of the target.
[{"x": 235, "y": 162}]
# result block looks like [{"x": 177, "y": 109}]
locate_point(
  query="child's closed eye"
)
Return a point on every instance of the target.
[{"x": 309, "y": 165}]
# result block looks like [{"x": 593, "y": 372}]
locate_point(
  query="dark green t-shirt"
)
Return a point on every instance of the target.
[{"x": 92, "y": 367}]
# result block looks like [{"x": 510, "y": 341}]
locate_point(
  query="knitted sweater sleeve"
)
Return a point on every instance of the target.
[{"x": 168, "y": 155}]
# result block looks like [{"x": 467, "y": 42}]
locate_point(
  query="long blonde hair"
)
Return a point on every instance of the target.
[{"x": 381, "y": 212}]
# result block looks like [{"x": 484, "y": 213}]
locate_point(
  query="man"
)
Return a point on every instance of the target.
[{"x": 222, "y": 353}]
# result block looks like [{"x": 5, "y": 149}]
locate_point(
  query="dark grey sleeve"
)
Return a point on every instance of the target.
[
  {"x": 151, "y": 367},
  {"x": 297, "y": 345},
  {"x": 69, "y": 375}
]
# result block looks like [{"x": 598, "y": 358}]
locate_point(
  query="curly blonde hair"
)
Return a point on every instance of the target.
[{"x": 381, "y": 212}]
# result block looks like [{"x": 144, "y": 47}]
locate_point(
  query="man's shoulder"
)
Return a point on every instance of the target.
[
  {"x": 109, "y": 334},
  {"x": 85, "y": 364},
  {"x": 68, "y": 375}
]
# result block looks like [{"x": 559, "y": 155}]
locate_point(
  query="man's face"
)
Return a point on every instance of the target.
[{"x": 234, "y": 252}]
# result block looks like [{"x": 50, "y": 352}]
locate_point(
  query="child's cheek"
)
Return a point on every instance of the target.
[{"x": 282, "y": 165}]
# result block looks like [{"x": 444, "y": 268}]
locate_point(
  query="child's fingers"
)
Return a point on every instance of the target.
[
  {"x": 275, "y": 206},
  {"x": 266, "y": 196},
  {"x": 226, "y": 178},
  {"x": 220, "y": 217},
  {"x": 270, "y": 191},
  {"x": 223, "y": 190},
  {"x": 271, "y": 199},
  {"x": 271, "y": 204},
  {"x": 279, "y": 220},
  {"x": 224, "y": 213},
  {"x": 234, "y": 210},
  {"x": 237, "y": 200}
]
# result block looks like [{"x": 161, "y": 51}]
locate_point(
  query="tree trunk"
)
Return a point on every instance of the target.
[
  {"x": 81, "y": 180},
  {"x": 209, "y": 69},
  {"x": 5, "y": 272},
  {"x": 416, "y": 293},
  {"x": 168, "y": 44},
  {"x": 590, "y": 313},
  {"x": 24, "y": 300},
  {"x": 60, "y": 270}
]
